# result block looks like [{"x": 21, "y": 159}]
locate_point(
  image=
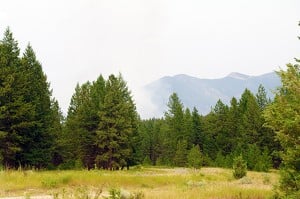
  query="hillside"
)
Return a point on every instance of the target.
[{"x": 204, "y": 93}]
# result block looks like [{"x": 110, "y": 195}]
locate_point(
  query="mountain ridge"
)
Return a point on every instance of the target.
[{"x": 204, "y": 93}]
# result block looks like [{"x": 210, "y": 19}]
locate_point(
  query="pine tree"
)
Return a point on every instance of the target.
[
  {"x": 25, "y": 113},
  {"x": 82, "y": 123},
  {"x": 261, "y": 97},
  {"x": 56, "y": 130},
  {"x": 188, "y": 128},
  {"x": 175, "y": 123},
  {"x": 180, "y": 157},
  {"x": 117, "y": 123},
  {"x": 250, "y": 118},
  {"x": 239, "y": 167},
  {"x": 15, "y": 113},
  {"x": 197, "y": 136},
  {"x": 38, "y": 140},
  {"x": 150, "y": 140}
]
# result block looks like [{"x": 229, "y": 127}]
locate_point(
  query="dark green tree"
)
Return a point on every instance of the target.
[
  {"x": 150, "y": 144},
  {"x": 188, "y": 128},
  {"x": 174, "y": 118},
  {"x": 12, "y": 108},
  {"x": 37, "y": 139},
  {"x": 197, "y": 136},
  {"x": 25, "y": 115},
  {"x": 180, "y": 157},
  {"x": 82, "y": 122},
  {"x": 75, "y": 131},
  {"x": 117, "y": 123},
  {"x": 251, "y": 123}
]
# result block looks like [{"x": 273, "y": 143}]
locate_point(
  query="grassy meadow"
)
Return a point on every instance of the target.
[{"x": 152, "y": 182}]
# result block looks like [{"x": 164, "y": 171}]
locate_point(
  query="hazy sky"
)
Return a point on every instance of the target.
[{"x": 76, "y": 40}]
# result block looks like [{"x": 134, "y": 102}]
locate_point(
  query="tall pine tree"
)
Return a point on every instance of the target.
[{"x": 117, "y": 123}]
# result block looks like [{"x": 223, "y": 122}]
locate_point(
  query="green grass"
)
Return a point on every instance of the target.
[{"x": 153, "y": 182}]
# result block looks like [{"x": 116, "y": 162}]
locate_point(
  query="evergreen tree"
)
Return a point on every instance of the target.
[
  {"x": 250, "y": 118},
  {"x": 197, "y": 136},
  {"x": 82, "y": 122},
  {"x": 38, "y": 140},
  {"x": 195, "y": 157},
  {"x": 117, "y": 123},
  {"x": 233, "y": 124},
  {"x": 267, "y": 135},
  {"x": 9, "y": 103},
  {"x": 261, "y": 97},
  {"x": 175, "y": 123},
  {"x": 283, "y": 116},
  {"x": 150, "y": 140},
  {"x": 25, "y": 113},
  {"x": 175, "y": 117},
  {"x": 239, "y": 167},
  {"x": 188, "y": 128},
  {"x": 56, "y": 130},
  {"x": 180, "y": 158}
]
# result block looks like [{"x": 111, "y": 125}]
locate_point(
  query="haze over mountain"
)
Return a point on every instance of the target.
[{"x": 204, "y": 93}]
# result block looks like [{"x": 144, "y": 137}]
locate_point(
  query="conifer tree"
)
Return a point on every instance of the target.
[
  {"x": 195, "y": 157},
  {"x": 15, "y": 113},
  {"x": 283, "y": 116},
  {"x": 117, "y": 122},
  {"x": 180, "y": 157},
  {"x": 175, "y": 122},
  {"x": 25, "y": 113},
  {"x": 38, "y": 140},
  {"x": 250, "y": 118},
  {"x": 261, "y": 97},
  {"x": 197, "y": 136}
]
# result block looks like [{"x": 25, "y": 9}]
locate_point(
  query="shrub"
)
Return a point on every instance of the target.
[
  {"x": 239, "y": 167},
  {"x": 115, "y": 193},
  {"x": 49, "y": 183},
  {"x": 147, "y": 161},
  {"x": 195, "y": 158}
]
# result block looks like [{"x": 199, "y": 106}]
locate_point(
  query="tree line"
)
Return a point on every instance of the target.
[
  {"x": 102, "y": 129},
  {"x": 226, "y": 132}
]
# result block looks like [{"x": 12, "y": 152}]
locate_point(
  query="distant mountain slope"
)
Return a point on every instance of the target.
[{"x": 204, "y": 93}]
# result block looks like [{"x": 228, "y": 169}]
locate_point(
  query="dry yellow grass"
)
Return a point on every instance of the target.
[{"x": 155, "y": 183}]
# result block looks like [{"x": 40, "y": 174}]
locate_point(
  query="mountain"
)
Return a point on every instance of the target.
[{"x": 204, "y": 93}]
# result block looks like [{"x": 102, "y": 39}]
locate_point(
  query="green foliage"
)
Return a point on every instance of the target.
[
  {"x": 49, "y": 183},
  {"x": 195, "y": 158},
  {"x": 223, "y": 161},
  {"x": 149, "y": 140},
  {"x": 147, "y": 161},
  {"x": 239, "y": 167},
  {"x": 180, "y": 158},
  {"x": 102, "y": 128},
  {"x": 117, "y": 122},
  {"x": 283, "y": 116},
  {"x": 115, "y": 193},
  {"x": 175, "y": 127},
  {"x": 26, "y": 122}
]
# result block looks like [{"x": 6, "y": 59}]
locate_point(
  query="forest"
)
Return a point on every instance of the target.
[{"x": 102, "y": 129}]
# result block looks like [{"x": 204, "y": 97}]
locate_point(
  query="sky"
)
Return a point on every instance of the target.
[{"x": 77, "y": 40}]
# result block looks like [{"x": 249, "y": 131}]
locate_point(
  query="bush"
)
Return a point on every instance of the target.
[
  {"x": 195, "y": 158},
  {"x": 147, "y": 161},
  {"x": 239, "y": 167},
  {"x": 115, "y": 193},
  {"x": 290, "y": 182}
]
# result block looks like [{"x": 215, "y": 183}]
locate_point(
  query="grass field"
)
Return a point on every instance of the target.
[{"x": 152, "y": 182}]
